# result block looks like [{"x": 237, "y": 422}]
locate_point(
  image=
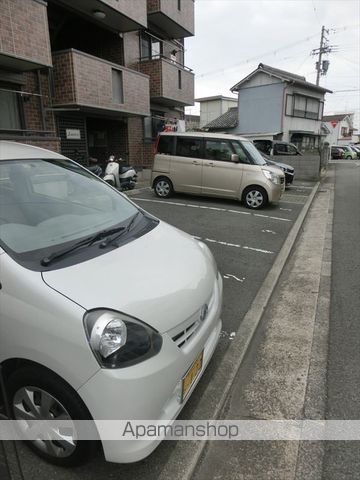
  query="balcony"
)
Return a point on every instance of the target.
[
  {"x": 174, "y": 17},
  {"x": 90, "y": 84},
  {"x": 24, "y": 35},
  {"x": 117, "y": 15},
  {"x": 171, "y": 84}
]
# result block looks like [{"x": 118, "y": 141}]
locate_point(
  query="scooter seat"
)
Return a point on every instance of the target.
[{"x": 125, "y": 169}]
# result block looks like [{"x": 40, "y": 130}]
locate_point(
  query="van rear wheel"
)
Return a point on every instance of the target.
[
  {"x": 255, "y": 197},
  {"x": 163, "y": 187}
]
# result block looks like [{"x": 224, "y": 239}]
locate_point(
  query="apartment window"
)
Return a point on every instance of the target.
[
  {"x": 303, "y": 107},
  {"x": 344, "y": 132},
  {"x": 179, "y": 79},
  {"x": 179, "y": 4},
  {"x": 151, "y": 47},
  {"x": 117, "y": 86},
  {"x": 10, "y": 110}
]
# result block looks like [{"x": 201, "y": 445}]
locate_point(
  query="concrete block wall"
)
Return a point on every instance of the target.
[{"x": 307, "y": 167}]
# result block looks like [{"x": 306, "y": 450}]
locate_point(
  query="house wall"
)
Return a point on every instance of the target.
[
  {"x": 211, "y": 109},
  {"x": 301, "y": 124},
  {"x": 335, "y": 137},
  {"x": 260, "y": 109}
]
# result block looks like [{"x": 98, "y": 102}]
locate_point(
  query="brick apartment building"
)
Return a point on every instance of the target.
[{"x": 94, "y": 77}]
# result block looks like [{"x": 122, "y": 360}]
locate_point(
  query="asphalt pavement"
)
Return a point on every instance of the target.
[{"x": 246, "y": 245}]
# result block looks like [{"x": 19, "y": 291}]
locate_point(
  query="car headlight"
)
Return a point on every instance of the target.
[
  {"x": 272, "y": 176},
  {"x": 118, "y": 340}
]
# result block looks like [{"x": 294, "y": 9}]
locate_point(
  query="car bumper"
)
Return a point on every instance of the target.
[
  {"x": 289, "y": 178},
  {"x": 150, "y": 390},
  {"x": 276, "y": 192}
]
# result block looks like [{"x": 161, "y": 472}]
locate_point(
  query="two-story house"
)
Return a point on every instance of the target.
[
  {"x": 339, "y": 128},
  {"x": 278, "y": 105},
  {"x": 91, "y": 78}
]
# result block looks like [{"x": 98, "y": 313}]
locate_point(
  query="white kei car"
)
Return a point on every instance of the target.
[{"x": 106, "y": 312}]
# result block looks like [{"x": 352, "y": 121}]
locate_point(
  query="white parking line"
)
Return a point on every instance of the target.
[
  {"x": 268, "y": 231},
  {"x": 190, "y": 205},
  {"x": 229, "y": 275},
  {"x": 234, "y": 245}
]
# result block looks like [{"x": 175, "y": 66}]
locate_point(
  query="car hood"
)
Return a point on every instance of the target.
[
  {"x": 280, "y": 164},
  {"x": 161, "y": 278}
]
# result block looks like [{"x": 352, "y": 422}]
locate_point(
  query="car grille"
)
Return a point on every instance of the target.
[{"x": 187, "y": 330}]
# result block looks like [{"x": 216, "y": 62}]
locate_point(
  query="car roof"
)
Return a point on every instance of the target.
[
  {"x": 18, "y": 151},
  {"x": 220, "y": 136}
]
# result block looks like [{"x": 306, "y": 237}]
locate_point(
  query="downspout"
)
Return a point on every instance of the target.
[{"x": 41, "y": 100}]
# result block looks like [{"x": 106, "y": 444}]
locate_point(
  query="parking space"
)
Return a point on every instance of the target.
[
  {"x": 245, "y": 245},
  {"x": 244, "y": 242}
]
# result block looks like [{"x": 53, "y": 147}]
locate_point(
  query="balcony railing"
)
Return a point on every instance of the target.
[
  {"x": 24, "y": 44},
  {"x": 92, "y": 83},
  {"x": 118, "y": 15},
  {"x": 171, "y": 83},
  {"x": 174, "y": 17}
]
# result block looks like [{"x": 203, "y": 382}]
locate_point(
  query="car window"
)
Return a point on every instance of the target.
[
  {"x": 188, "y": 147},
  {"x": 253, "y": 153},
  {"x": 280, "y": 149},
  {"x": 165, "y": 145},
  {"x": 263, "y": 146},
  {"x": 46, "y": 203},
  {"x": 239, "y": 150},
  {"x": 218, "y": 150},
  {"x": 291, "y": 150}
]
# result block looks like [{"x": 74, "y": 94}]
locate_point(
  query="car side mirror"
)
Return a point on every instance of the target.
[{"x": 235, "y": 158}]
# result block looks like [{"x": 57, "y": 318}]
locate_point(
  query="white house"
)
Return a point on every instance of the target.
[
  {"x": 278, "y": 105},
  {"x": 213, "y": 107},
  {"x": 339, "y": 129}
]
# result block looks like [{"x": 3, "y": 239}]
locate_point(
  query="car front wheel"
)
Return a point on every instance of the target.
[
  {"x": 36, "y": 394},
  {"x": 255, "y": 198}
]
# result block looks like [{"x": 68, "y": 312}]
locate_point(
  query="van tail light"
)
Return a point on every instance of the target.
[{"x": 156, "y": 146}]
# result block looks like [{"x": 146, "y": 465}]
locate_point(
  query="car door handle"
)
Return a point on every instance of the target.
[
  {"x": 209, "y": 164},
  {"x": 195, "y": 162}
]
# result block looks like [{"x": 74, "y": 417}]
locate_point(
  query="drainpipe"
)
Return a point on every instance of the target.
[{"x": 41, "y": 101}]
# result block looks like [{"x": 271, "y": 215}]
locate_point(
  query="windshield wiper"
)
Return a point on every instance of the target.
[
  {"x": 126, "y": 229},
  {"x": 86, "y": 242}
]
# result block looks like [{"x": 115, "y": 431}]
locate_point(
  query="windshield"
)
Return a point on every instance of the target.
[
  {"x": 254, "y": 153},
  {"x": 48, "y": 203}
]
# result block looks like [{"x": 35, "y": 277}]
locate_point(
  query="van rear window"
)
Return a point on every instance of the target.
[
  {"x": 166, "y": 145},
  {"x": 188, "y": 147}
]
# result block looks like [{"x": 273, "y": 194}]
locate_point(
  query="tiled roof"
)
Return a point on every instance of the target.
[
  {"x": 283, "y": 75},
  {"x": 335, "y": 118},
  {"x": 226, "y": 120}
]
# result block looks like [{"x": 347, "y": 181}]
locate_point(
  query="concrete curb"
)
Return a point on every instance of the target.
[{"x": 186, "y": 455}]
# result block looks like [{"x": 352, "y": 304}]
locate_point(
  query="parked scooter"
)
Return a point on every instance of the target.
[
  {"x": 119, "y": 175},
  {"x": 94, "y": 167}
]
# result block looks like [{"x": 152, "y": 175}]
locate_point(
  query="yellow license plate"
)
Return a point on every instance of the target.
[{"x": 191, "y": 375}]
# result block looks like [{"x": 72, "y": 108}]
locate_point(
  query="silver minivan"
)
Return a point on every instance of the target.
[{"x": 213, "y": 164}]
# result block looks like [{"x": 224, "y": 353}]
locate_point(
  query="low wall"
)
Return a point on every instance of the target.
[
  {"x": 307, "y": 167},
  {"x": 49, "y": 143}
]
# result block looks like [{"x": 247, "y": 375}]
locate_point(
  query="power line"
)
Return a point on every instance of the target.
[{"x": 256, "y": 57}]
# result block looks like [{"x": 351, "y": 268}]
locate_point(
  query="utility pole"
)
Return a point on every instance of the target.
[{"x": 322, "y": 65}]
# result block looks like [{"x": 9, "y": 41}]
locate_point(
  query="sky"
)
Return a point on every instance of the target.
[{"x": 233, "y": 36}]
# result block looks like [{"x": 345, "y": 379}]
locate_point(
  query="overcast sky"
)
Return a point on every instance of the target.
[{"x": 233, "y": 36}]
